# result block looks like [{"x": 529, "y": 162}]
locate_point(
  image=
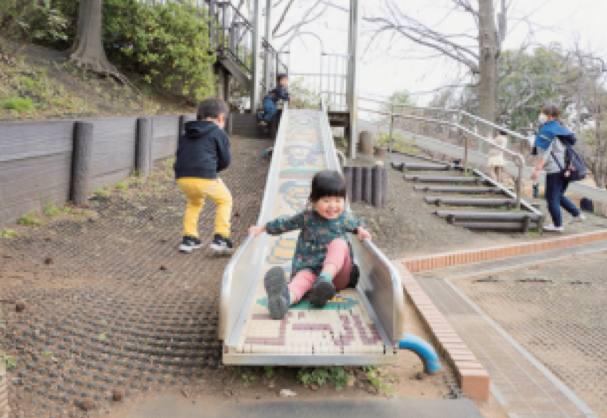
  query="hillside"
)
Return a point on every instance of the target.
[{"x": 42, "y": 83}]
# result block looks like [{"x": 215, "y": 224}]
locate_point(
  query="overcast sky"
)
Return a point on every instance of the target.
[{"x": 385, "y": 67}]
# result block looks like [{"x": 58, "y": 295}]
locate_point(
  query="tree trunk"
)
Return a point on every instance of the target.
[
  {"x": 489, "y": 52},
  {"x": 88, "y": 52}
]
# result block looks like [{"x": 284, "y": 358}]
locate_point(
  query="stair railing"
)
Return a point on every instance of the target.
[{"x": 447, "y": 124}]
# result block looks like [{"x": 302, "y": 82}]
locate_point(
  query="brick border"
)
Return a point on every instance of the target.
[
  {"x": 3, "y": 393},
  {"x": 474, "y": 380},
  {"x": 430, "y": 262}
]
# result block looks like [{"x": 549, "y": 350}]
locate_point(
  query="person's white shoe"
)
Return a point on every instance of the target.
[
  {"x": 579, "y": 218},
  {"x": 552, "y": 228}
]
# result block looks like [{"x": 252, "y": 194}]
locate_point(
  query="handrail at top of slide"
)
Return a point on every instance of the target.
[
  {"x": 379, "y": 279},
  {"x": 238, "y": 277}
]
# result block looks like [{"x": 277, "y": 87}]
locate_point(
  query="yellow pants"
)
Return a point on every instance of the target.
[{"x": 196, "y": 190}]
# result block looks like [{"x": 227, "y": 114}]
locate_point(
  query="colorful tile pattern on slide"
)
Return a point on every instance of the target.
[{"x": 341, "y": 327}]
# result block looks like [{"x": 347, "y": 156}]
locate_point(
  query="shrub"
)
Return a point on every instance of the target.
[{"x": 20, "y": 104}]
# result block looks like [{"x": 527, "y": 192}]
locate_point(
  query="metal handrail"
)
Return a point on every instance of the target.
[
  {"x": 233, "y": 296},
  {"x": 519, "y": 160},
  {"x": 394, "y": 325}
]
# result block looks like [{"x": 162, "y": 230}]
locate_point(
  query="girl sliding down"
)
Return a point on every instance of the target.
[{"x": 322, "y": 262}]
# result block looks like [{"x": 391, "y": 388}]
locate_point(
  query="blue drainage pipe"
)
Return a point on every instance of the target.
[{"x": 423, "y": 350}]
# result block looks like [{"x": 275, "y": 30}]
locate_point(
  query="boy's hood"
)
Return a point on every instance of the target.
[{"x": 200, "y": 128}]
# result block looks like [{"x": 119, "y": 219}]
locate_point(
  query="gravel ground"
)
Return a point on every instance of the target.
[
  {"x": 557, "y": 312},
  {"x": 109, "y": 301}
]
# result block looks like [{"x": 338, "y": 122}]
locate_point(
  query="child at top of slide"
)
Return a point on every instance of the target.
[
  {"x": 322, "y": 263},
  {"x": 269, "y": 101}
]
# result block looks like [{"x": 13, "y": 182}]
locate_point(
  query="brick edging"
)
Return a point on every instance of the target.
[
  {"x": 3, "y": 393},
  {"x": 429, "y": 262},
  {"x": 474, "y": 380}
]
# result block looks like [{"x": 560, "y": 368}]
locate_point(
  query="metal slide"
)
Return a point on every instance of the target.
[{"x": 358, "y": 327}]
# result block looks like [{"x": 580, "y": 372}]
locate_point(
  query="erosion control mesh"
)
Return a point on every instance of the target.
[
  {"x": 109, "y": 301},
  {"x": 556, "y": 312}
]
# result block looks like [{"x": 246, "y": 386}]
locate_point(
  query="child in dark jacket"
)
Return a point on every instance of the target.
[
  {"x": 323, "y": 262},
  {"x": 203, "y": 151},
  {"x": 269, "y": 102}
]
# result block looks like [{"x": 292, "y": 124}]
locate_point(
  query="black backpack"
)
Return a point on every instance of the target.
[{"x": 575, "y": 169}]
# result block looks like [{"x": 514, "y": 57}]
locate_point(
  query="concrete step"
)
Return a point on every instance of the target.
[
  {"x": 402, "y": 167},
  {"x": 443, "y": 179},
  {"x": 459, "y": 189},
  {"x": 478, "y": 202}
]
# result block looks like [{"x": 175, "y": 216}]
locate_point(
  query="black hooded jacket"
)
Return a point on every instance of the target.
[{"x": 203, "y": 151}]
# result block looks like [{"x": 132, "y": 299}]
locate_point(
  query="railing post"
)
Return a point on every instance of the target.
[
  {"x": 465, "y": 153},
  {"x": 519, "y": 185},
  {"x": 391, "y": 132},
  {"x": 212, "y": 32}
]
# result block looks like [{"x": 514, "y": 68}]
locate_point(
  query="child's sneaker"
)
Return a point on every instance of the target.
[
  {"x": 322, "y": 291},
  {"x": 222, "y": 244},
  {"x": 189, "y": 243},
  {"x": 354, "y": 275},
  {"x": 278, "y": 292},
  {"x": 264, "y": 126}
]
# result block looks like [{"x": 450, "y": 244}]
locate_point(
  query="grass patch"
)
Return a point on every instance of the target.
[
  {"x": 50, "y": 209},
  {"x": 102, "y": 192},
  {"x": 8, "y": 361},
  {"x": 8, "y": 233},
  {"x": 323, "y": 375},
  {"x": 31, "y": 219},
  {"x": 18, "y": 104}
]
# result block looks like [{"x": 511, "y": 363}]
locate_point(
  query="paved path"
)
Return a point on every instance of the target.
[
  {"x": 178, "y": 407},
  {"x": 521, "y": 381}
]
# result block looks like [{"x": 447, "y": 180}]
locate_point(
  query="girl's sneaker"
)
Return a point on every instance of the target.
[
  {"x": 322, "y": 292},
  {"x": 278, "y": 292},
  {"x": 354, "y": 275},
  {"x": 552, "y": 228},
  {"x": 576, "y": 219},
  {"x": 189, "y": 244},
  {"x": 222, "y": 244}
]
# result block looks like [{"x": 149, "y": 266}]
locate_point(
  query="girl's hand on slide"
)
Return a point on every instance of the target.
[
  {"x": 363, "y": 234},
  {"x": 256, "y": 230}
]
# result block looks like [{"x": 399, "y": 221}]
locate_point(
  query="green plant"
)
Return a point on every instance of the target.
[
  {"x": 50, "y": 209},
  {"x": 8, "y": 361},
  {"x": 8, "y": 233},
  {"x": 168, "y": 42},
  {"x": 269, "y": 371},
  {"x": 374, "y": 376},
  {"x": 322, "y": 375},
  {"x": 47, "y": 353},
  {"x": 303, "y": 96},
  {"x": 102, "y": 192},
  {"x": 18, "y": 104},
  {"x": 123, "y": 185},
  {"x": 30, "y": 220}
]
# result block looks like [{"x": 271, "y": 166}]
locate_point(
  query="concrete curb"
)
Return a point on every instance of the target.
[
  {"x": 3, "y": 393},
  {"x": 436, "y": 261},
  {"x": 474, "y": 380}
]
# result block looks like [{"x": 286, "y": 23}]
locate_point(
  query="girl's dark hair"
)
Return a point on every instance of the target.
[
  {"x": 328, "y": 183},
  {"x": 553, "y": 111}
]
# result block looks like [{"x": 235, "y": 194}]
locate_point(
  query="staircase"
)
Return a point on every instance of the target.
[
  {"x": 232, "y": 35},
  {"x": 469, "y": 200}
]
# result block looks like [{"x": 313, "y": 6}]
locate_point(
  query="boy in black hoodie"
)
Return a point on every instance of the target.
[
  {"x": 203, "y": 151},
  {"x": 269, "y": 102}
]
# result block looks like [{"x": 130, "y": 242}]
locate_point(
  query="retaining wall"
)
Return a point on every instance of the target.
[{"x": 37, "y": 158}]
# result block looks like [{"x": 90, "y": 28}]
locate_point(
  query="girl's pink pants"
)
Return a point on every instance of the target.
[{"x": 338, "y": 254}]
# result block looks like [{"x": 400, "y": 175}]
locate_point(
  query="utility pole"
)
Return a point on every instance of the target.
[
  {"x": 352, "y": 84},
  {"x": 256, "y": 66},
  {"x": 269, "y": 59}
]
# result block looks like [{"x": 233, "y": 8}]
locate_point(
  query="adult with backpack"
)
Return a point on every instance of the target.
[{"x": 557, "y": 157}]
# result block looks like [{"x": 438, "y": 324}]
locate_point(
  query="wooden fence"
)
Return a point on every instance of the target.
[{"x": 66, "y": 160}]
